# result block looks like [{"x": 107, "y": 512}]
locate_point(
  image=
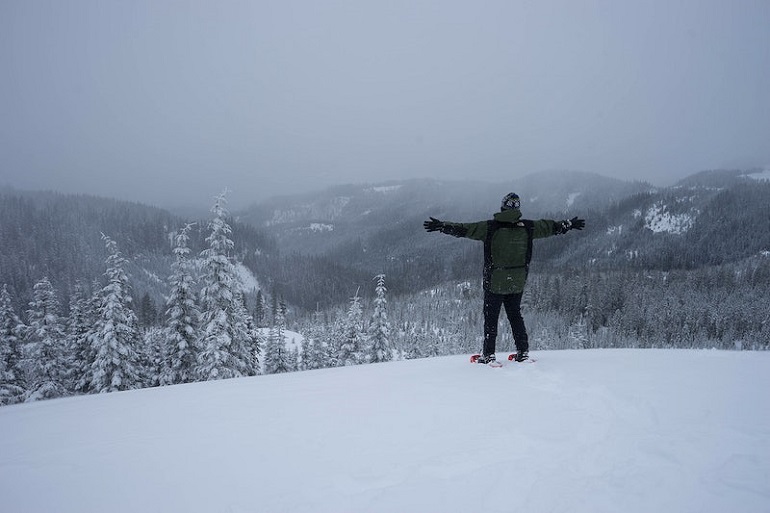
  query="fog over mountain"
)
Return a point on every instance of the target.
[{"x": 170, "y": 103}]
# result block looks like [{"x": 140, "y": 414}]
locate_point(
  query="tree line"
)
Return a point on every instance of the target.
[
  {"x": 209, "y": 332},
  {"x": 720, "y": 307}
]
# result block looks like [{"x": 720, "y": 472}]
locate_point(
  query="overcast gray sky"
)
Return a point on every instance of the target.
[{"x": 169, "y": 102}]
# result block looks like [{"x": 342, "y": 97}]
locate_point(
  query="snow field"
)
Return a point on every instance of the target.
[{"x": 578, "y": 431}]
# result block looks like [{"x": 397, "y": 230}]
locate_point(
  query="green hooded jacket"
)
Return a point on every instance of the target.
[{"x": 507, "y": 271}]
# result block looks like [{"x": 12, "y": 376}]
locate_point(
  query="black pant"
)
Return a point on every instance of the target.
[{"x": 492, "y": 304}]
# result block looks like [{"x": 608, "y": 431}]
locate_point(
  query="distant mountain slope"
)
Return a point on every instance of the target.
[
  {"x": 630, "y": 431},
  {"x": 679, "y": 227},
  {"x": 710, "y": 218},
  {"x": 315, "y": 223},
  {"x": 378, "y": 228}
]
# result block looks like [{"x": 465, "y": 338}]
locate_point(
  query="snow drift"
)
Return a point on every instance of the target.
[{"x": 578, "y": 431}]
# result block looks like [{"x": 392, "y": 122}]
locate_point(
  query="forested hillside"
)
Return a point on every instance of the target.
[
  {"x": 686, "y": 266},
  {"x": 44, "y": 234}
]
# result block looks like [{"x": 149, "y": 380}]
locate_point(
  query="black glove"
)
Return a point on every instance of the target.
[
  {"x": 577, "y": 224},
  {"x": 571, "y": 224},
  {"x": 434, "y": 225}
]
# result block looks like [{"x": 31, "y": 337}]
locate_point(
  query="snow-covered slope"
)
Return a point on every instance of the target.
[{"x": 590, "y": 431}]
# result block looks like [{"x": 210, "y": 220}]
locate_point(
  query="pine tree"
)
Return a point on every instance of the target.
[
  {"x": 579, "y": 335},
  {"x": 260, "y": 310},
  {"x": 254, "y": 341},
  {"x": 182, "y": 312},
  {"x": 11, "y": 377},
  {"x": 350, "y": 349},
  {"x": 274, "y": 307},
  {"x": 83, "y": 347},
  {"x": 46, "y": 344},
  {"x": 380, "y": 349},
  {"x": 294, "y": 358},
  {"x": 115, "y": 339},
  {"x": 331, "y": 340},
  {"x": 148, "y": 313},
  {"x": 79, "y": 323},
  {"x": 277, "y": 356},
  {"x": 417, "y": 342},
  {"x": 224, "y": 339},
  {"x": 304, "y": 362},
  {"x": 153, "y": 356},
  {"x": 315, "y": 353},
  {"x": 245, "y": 342}
]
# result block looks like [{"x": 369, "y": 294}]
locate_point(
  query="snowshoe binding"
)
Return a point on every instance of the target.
[
  {"x": 521, "y": 356},
  {"x": 487, "y": 359}
]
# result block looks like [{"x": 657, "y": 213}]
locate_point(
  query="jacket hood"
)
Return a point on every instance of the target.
[{"x": 508, "y": 216}]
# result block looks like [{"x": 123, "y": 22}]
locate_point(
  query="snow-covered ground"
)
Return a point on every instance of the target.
[{"x": 578, "y": 431}]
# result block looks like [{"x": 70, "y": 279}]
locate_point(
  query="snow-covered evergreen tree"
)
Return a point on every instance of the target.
[
  {"x": 331, "y": 340},
  {"x": 304, "y": 363},
  {"x": 46, "y": 343},
  {"x": 380, "y": 349},
  {"x": 82, "y": 318},
  {"x": 316, "y": 352},
  {"x": 246, "y": 339},
  {"x": 11, "y": 377},
  {"x": 274, "y": 307},
  {"x": 115, "y": 338},
  {"x": 254, "y": 341},
  {"x": 277, "y": 356},
  {"x": 260, "y": 310},
  {"x": 182, "y": 332},
  {"x": 350, "y": 350},
  {"x": 294, "y": 358},
  {"x": 147, "y": 313},
  {"x": 416, "y": 342},
  {"x": 153, "y": 356},
  {"x": 578, "y": 334},
  {"x": 224, "y": 341},
  {"x": 84, "y": 349}
]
